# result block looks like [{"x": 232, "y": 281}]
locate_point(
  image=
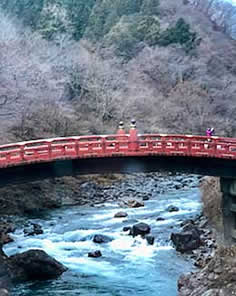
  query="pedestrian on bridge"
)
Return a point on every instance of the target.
[{"x": 209, "y": 132}]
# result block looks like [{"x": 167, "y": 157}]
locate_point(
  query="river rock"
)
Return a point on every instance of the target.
[
  {"x": 120, "y": 215},
  {"x": 4, "y": 292},
  {"x": 126, "y": 228},
  {"x": 172, "y": 208},
  {"x": 193, "y": 228},
  {"x": 133, "y": 203},
  {"x": 5, "y": 238},
  {"x": 186, "y": 241},
  {"x": 5, "y": 228},
  {"x": 160, "y": 219},
  {"x": 150, "y": 239},
  {"x": 35, "y": 265},
  {"x": 130, "y": 221},
  {"x": 140, "y": 229},
  {"x": 100, "y": 238},
  {"x": 188, "y": 221},
  {"x": 33, "y": 229},
  {"x": 5, "y": 276},
  {"x": 95, "y": 254}
]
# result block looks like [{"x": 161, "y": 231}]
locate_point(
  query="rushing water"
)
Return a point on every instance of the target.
[{"x": 128, "y": 266}]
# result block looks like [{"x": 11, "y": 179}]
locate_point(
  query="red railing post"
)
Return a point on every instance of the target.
[
  {"x": 120, "y": 135},
  {"x": 50, "y": 150},
  {"x": 22, "y": 152},
  {"x": 121, "y": 130},
  {"x": 103, "y": 145},
  {"x": 133, "y": 137}
]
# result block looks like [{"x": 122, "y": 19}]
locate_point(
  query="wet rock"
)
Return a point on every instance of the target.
[
  {"x": 160, "y": 219},
  {"x": 5, "y": 238},
  {"x": 33, "y": 229},
  {"x": 120, "y": 215},
  {"x": 192, "y": 228},
  {"x": 188, "y": 221},
  {"x": 178, "y": 186},
  {"x": 100, "y": 238},
  {"x": 186, "y": 241},
  {"x": 140, "y": 229},
  {"x": 133, "y": 203},
  {"x": 5, "y": 276},
  {"x": 203, "y": 223},
  {"x": 5, "y": 228},
  {"x": 150, "y": 239},
  {"x": 35, "y": 265},
  {"x": 4, "y": 292},
  {"x": 95, "y": 254},
  {"x": 172, "y": 208},
  {"x": 201, "y": 261},
  {"x": 130, "y": 221},
  {"x": 126, "y": 228}
]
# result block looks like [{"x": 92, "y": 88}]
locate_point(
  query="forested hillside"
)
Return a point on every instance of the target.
[{"x": 75, "y": 66}]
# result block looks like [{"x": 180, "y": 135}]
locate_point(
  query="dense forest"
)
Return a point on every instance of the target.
[{"x": 72, "y": 67}]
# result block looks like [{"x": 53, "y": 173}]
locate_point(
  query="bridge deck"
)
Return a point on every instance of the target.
[{"x": 116, "y": 145}]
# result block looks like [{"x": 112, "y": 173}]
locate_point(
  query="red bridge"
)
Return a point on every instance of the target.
[
  {"x": 120, "y": 152},
  {"x": 126, "y": 153}
]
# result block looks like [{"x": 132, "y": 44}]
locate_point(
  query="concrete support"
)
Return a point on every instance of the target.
[{"x": 228, "y": 188}]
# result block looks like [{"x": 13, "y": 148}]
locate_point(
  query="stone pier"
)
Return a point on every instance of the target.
[{"x": 228, "y": 188}]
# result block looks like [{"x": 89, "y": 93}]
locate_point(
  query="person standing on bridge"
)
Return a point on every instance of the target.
[{"x": 209, "y": 132}]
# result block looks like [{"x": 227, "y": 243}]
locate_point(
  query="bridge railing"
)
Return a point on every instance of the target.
[{"x": 116, "y": 145}]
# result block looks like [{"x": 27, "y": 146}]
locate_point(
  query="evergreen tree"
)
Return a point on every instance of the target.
[{"x": 28, "y": 10}]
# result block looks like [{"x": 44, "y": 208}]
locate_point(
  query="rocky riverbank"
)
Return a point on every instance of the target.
[
  {"x": 196, "y": 240},
  {"x": 90, "y": 190},
  {"x": 217, "y": 274},
  {"x": 217, "y": 278}
]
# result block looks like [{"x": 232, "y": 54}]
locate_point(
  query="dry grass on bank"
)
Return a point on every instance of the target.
[{"x": 211, "y": 198}]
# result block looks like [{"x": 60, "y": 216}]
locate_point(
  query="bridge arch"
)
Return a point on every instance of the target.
[{"x": 118, "y": 153}]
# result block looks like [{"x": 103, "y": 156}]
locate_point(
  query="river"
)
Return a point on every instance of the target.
[{"x": 128, "y": 266}]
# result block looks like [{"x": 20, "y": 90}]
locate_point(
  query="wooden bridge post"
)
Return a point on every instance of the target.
[
  {"x": 121, "y": 130},
  {"x": 228, "y": 189},
  {"x": 133, "y": 136}
]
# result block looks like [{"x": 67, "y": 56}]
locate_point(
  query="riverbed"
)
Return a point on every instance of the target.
[{"x": 128, "y": 265}]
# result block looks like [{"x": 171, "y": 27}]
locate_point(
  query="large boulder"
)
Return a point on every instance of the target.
[
  {"x": 35, "y": 265},
  {"x": 187, "y": 240},
  {"x": 140, "y": 229}
]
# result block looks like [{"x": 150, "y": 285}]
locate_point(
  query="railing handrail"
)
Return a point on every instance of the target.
[{"x": 116, "y": 144}]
